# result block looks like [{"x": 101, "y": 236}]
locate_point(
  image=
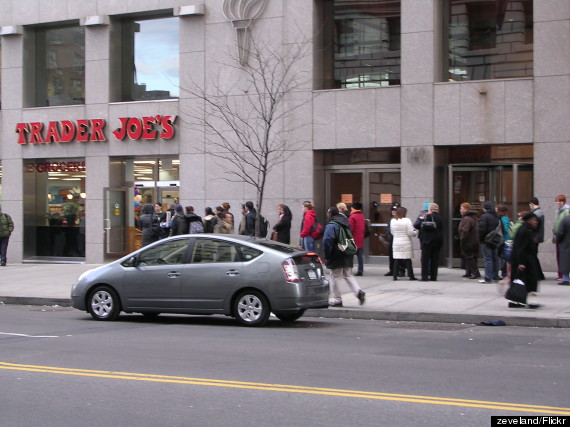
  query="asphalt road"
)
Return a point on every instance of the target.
[{"x": 60, "y": 368}]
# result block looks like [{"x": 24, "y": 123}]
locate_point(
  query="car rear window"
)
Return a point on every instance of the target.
[
  {"x": 307, "y": 259},
  {"x": 286, "y": 249}
]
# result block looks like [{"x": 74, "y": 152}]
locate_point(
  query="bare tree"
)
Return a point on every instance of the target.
[{"x": 250, "y": 130}]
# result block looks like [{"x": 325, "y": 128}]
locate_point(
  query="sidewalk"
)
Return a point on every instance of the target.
[{"x": 451, "y": 299}]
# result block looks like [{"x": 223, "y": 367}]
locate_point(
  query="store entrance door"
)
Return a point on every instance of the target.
[
  {"x": 377, "y": 189},
  {"x": 115, "y": 224},
  {"x": 509, "y": 184}
]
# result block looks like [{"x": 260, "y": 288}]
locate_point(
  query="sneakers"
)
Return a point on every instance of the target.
[
  {"x": 361, "y": 297},
  {"x": 335, "y": 304}
]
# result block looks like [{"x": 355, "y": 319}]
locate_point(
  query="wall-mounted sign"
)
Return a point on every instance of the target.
[
  {"x": 346, "y": 198},
  {"x": 45, "y": 167},
  {"x": 386, "y": 199},
  {"x": 92, "y": 130}
]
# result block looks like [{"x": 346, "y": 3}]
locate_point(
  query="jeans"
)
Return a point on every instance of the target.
[
  {"x": 3, "y": 248},
  {"x": 309, "y": 244},
  {"x": 492, "y": 263},
  {"x": 360, "y": 258}
]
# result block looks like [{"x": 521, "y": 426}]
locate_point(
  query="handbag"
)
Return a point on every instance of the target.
[
  {"x": 274, "y": 236},
  {"x": 494, "y": 238},
  {"x": 429, "y": 225},
  {"x": 383, "y": 240},
  {"x": 517, "y": 292}
]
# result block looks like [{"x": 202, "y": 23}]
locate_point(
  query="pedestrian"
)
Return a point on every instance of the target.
[
  {"x": 562, "y": 212},
  {"x": 487, "y": 223},
  {"x": 563, "y": 240},
  {"x": 225, "y": 225},
  {"x": 283, "y": 225},
  {"x": 149, "y": 225},
  {"x": 339, "y": 263},
  {"x": 524, "y": 257},
  {"x": 309, "y": 218},
  {"x": 209, "y": 220},
  {"x": 6, "y": 228},
  {"x": 502, "y": 211},
  {"x": 194, "y": 222},
  {"x": 250, "y": 218},
  {"x": 342, "y": 209},
  {"x": 178, "y": 223},
  {"x": 390, "y": 238},
  {"x": 430, "y": 226},
  {"x": 536, "y": 209},
  {"x": 469, "y": 240},
  {"x": 402, "y": 231},
  {"x": 357, "y": 227},
  {"x": 241, "y": 227},
  {"x": 226, "y": 209}
]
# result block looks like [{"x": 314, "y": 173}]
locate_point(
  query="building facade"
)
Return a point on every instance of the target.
[{"x": 105, "y": 107}]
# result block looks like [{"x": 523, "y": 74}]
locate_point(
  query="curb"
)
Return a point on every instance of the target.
[{"x": 336, "y": 313}]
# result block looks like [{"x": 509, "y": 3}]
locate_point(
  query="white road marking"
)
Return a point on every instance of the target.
[{"x": 29, "y": 336}]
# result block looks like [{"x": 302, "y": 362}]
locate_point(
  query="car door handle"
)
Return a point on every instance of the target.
[
  {"x": 232, "y": 273},
  {"x": 173, "y": 275}
]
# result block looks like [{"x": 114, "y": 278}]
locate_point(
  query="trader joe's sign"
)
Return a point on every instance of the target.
[{"x": 91, "y": 130}]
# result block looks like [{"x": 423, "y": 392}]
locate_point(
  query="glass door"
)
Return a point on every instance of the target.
[
  {"x": 115, "y": 222},
  {"x": 511, "y": 185},
  {"x": 377, "y": 190}
]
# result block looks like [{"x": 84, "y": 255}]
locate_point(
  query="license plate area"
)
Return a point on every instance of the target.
[{"x": 312, "y": 274}]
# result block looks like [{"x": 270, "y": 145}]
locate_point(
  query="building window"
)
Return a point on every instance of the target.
[
  {"x": 146, "y": 57},
  {"x": 359, "y": 43},
  {"x": 488, "y": 39},
  {"x": 57, "y": 63}
]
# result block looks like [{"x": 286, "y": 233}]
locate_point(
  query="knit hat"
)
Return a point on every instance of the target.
[
  {"x": 487, "y": 206},
  {"x": 529, "y": 215},
  {"x": 534, "y": 201},
  {"x": 395, "y": 206},
  {"x": 179, "y": 208}
]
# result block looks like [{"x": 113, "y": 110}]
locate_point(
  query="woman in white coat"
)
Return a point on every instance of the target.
[{"x": 403, "y": 230}]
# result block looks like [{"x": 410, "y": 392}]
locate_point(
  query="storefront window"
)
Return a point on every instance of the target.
[
  {"x": 54, "y": 208},
  {"x": 56, "y": 70},
  {"x": 147, "y": 59},
  {"x": 360, "y": 43},
  {"x": 488, "y": 39}
]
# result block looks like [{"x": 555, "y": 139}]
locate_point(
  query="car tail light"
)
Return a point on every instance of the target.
[{"x": 290, "y": 270}]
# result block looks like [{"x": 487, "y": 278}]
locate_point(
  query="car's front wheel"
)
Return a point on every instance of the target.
[
  {"x": 290, "y": 317},
  {"x": 251, "y": 308},
  {"x": 103, "y": 303}
]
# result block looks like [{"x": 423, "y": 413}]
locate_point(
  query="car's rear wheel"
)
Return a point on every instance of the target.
[
  {"x": 103, "y": 303},
  {"x": 251, "y": 308},
  {"x": 290, "y": 317}
]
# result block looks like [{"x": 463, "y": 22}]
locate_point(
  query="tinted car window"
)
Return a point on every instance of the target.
[
  {"x": 211, "y": 250},
  {"x": 279, "y": 246},
  {"x": 171, "y": 252}
]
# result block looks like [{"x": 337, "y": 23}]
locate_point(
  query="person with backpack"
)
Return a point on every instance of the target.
[
  {"x": 488, "y": 222},
  {"x": 209, "y": 220},
  {"x": 338, "y": 258},
  {"x": 178, "y": 224},
  {"x": 195, "y": 224},
  {"x": 357, "y": 227},
  {"x": 149, "y": 224}
]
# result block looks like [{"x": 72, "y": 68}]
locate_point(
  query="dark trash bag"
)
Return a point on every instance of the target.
[{"x": 517, "y": 292}]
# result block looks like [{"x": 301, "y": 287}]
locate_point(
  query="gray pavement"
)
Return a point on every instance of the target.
[{"x": 451, "y": 299}]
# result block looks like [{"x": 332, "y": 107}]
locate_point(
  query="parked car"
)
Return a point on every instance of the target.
[{"x": 239, "y": 276}]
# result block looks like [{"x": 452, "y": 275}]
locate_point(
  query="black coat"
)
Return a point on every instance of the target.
[
  {"x": 563, "y": 240},
  {"x": 525, "y": 250},
  {"x": 333, "y": 257},
  {"x": 283, "y": 228},
  {"x": 487, "y": 223},
  {"x": 150, "y": 227},
  {"x": 432, "y": 237}
]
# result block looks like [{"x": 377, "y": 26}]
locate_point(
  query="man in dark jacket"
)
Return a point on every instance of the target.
[
  {"x": 469, "y": 240},
  {"x": 250, "y": 217},
  {"x": 487, "y": 223},
  {"x": 339, "y": 263},
  {"x": 6, "y": 228},
  {"x": 431, "y": 241}
]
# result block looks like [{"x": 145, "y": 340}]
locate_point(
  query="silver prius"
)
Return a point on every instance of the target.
[{"x": 239, "y": 276}]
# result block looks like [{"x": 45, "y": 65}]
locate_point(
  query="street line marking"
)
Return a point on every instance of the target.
[
  {"x": 29, "y": 336},
  {"x": 515, "y": 407}
]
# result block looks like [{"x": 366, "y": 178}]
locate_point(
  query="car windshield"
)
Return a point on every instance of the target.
[{"x": 279, "y": 246}]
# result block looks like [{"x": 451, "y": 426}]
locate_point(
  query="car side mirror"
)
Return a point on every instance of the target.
[{"x": 131, "y": 262}]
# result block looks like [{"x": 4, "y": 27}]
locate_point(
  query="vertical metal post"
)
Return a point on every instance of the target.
[
  {"x": 450, "y": 215},
  {"x": 515, "y": 191}
]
